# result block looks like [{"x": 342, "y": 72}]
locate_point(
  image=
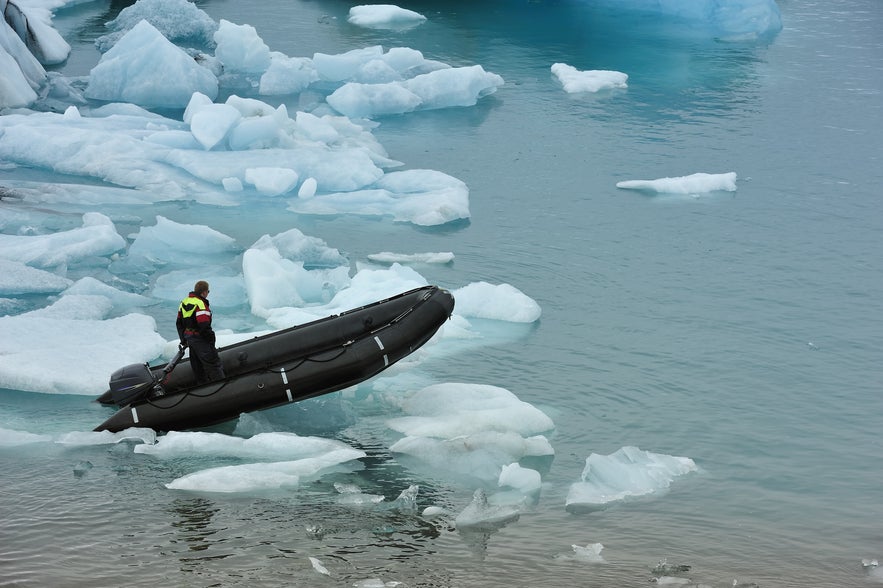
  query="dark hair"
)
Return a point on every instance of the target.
[{"x": 201, "y": 287}]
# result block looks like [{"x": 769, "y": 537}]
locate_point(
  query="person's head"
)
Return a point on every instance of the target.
[{"x": 201, "y": 288}]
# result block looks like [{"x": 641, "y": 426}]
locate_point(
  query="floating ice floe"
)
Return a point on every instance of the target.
[
  {"x": 84, "y": 344},
  {"x": 384, "y": 16},
  {"x": 96, "y": 238},
  {"x": 419, "y": 196},
  {"x": 574, "y": 80},
  {"x": 442, "y": 88},
  {"x": 16, "y": 278},
  {"x": 693, "y": 184},
  {"x": 498, "y": 302},
  {"x": 181, "y": 244},
  {"x": 626, "y": 473},
  {"x": 471, "y": 430},
  {"x": 405, "y": 258},
  {"x": 265, "y": 446},
  {"x": 258, "y": 477}
]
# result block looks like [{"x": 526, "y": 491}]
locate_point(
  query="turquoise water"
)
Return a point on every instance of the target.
[{"x": 741, "y": 330}]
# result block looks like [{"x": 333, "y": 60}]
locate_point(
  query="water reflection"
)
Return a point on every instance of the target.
[{"x": 193, "y": 522}]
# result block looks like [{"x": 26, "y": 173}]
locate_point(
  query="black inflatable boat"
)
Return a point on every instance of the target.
[{"x": 286, "y": 366}]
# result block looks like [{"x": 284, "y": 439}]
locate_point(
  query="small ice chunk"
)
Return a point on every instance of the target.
[
  {"x": 406, "y": 501},
  {"x": 693, "y": 184},
  {"x": 390, "y": 257},
  {"x": 317, "y": 565},
  {"x": 672, "y": 581},
  {"x": 240, "y": 48},
  {"x": 525, "y": 480},
  {"x": 357, "y": 100},
  {"x": 481, "y": 514},
  {"x": 432, "y": 512},
  {"x": 211, "y": 123},
  {"x": 575, "y": 81},
  {"x": 271, "y": 181},
  {"x": 232, "y": 184},
  {"x": 287, "y": 75},
  {"x": 384, "y": 16},
  {"x": 590, "y": 553},
  {"x": 307, "y": 188}
]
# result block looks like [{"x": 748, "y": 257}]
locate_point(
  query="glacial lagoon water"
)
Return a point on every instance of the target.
[{"x": 740, "y": 329}]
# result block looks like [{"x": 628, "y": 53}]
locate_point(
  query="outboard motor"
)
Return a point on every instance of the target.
[
  {"x": 131, "y": 383},
  {"x": 136, "y": 381}
]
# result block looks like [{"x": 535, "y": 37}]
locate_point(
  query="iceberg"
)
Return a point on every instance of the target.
[{"x": 129, "y": 71}]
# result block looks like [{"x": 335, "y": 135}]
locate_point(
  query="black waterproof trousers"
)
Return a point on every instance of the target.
[{"x": 204, "y": 360}]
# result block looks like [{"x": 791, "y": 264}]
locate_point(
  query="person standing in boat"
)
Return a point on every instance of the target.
[{"x": 195, "y": 331}]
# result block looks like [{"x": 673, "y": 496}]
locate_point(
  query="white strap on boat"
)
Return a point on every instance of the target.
[
  {"x": 134, "y": 415},
  {"x": 380, "y": 344},
  {"x": 285, "y": 381}
]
